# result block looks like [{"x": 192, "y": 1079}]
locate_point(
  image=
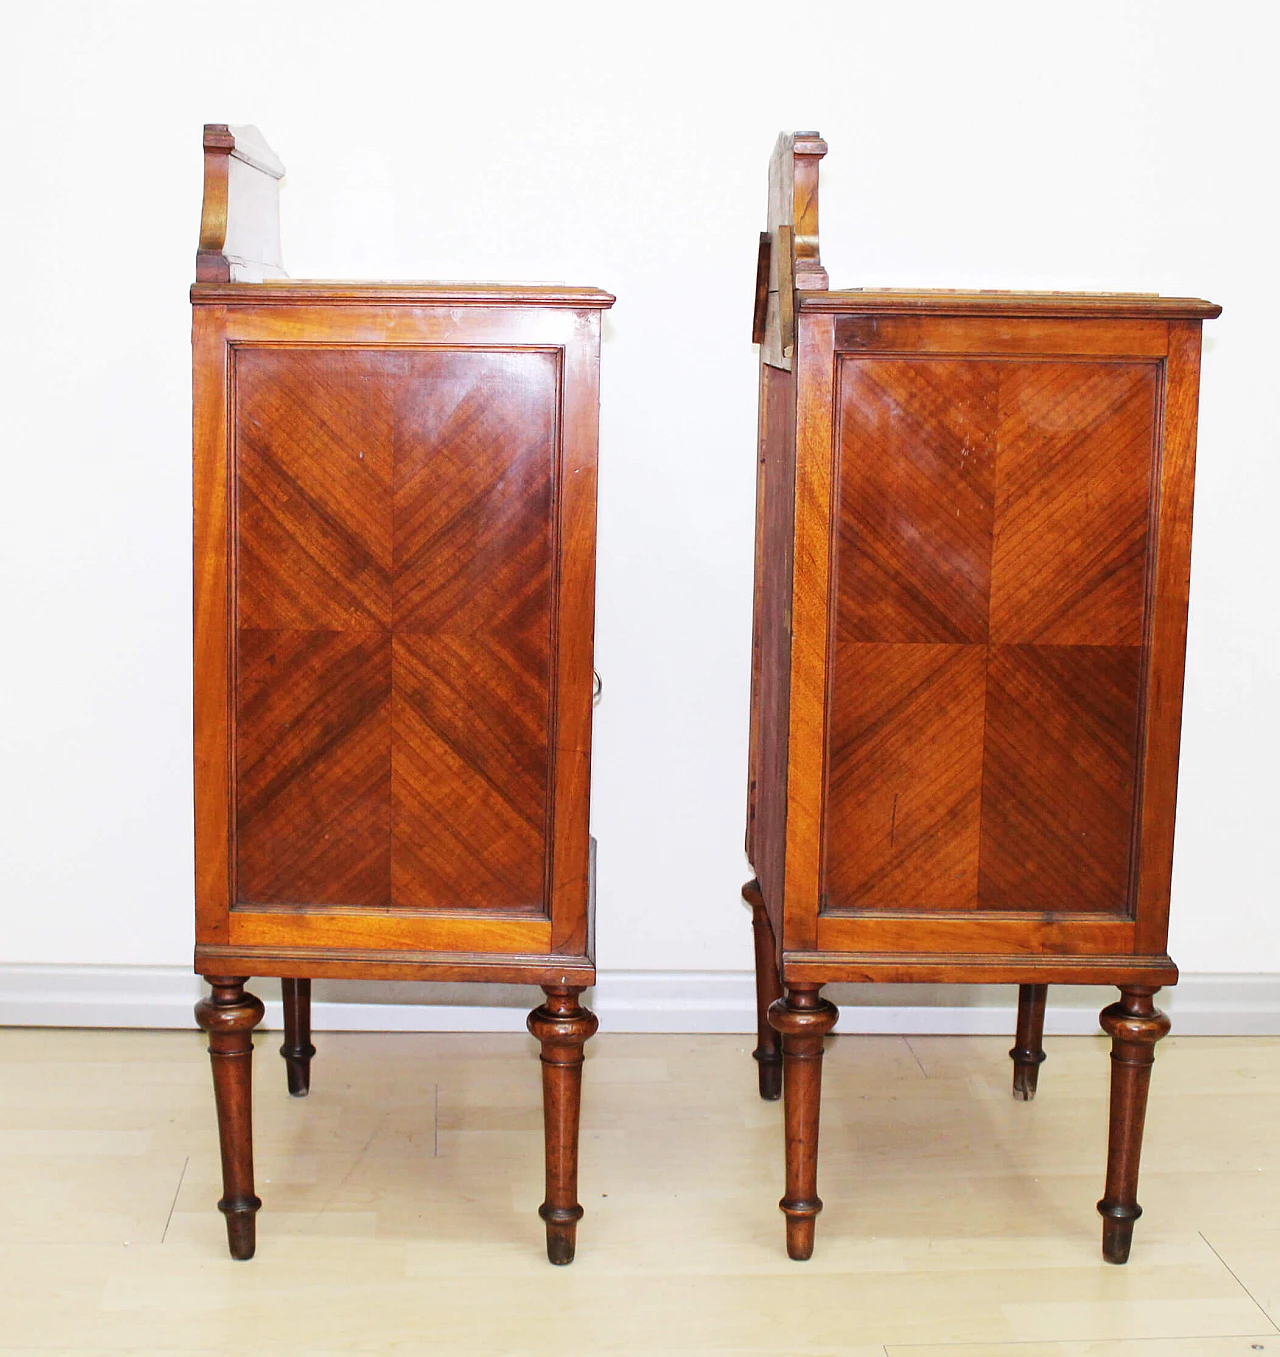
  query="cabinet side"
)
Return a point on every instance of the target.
[{"x": 770, "y": 689}]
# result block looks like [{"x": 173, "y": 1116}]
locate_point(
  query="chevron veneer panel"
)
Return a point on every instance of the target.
[
  {"x": 394, "y": 540},
  {"x": 991, "y": 567}
]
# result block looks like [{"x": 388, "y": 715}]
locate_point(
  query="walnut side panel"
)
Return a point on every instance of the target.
[
  {"x": 991, "y": 581},
  {"x": 395, "y": 545}
]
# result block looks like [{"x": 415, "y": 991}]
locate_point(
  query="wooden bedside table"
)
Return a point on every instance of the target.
[
  {"x": 972, "y": 555},
  {"x": 394, "y": 593}
]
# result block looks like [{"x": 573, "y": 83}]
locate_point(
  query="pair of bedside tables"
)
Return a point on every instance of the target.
[{"x": 972, "y": 554}]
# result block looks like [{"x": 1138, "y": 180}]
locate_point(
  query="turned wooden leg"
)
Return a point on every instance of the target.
[
  {"x": 1134, "y": 1025},
  {"x": 562, "y": 1025},
  {"x": 297, "y": 1049},
  {"x": 803, "y": 1018},
  {"x": 768, "y": 1051},
  {"x": 229, "y": 1015},
  {"x": 1028, "y": 1052}
]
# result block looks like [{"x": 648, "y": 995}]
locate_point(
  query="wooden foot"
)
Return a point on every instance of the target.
[
  {"x": 803, "y": 1018},
  {"x": 1028, "y": 1052},
  {"x": 229, "y": 1015},
  {"x": 297, "y": 1049},
  {"x": 1134, "y": 1025},
  {"x": 768, "y": 1051},
  {"x": 562, "y": 1025}
]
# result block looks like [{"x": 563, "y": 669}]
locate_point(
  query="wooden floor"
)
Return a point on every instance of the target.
[{"x": 399, "y": 1203}]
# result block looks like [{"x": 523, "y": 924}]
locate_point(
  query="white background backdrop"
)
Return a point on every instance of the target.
[{"x": 1109, "y": 146}]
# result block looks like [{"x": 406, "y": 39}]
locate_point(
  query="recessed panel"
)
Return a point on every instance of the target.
[
  {"x": 394, "y": 546},
  {"x": 1005, "y": 504}
]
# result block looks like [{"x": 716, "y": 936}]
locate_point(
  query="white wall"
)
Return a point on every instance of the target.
[{"x": 1113, "y": 146}]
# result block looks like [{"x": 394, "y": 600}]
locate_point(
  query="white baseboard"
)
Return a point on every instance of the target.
[{"x": 626, "y": 1001}]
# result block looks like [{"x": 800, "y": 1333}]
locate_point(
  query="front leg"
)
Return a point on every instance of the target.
[
  {"x": 768, "y": 1051},
  {"x": 562, "y": 1026},
  {"x": 804, "y": 1018},
  {"x": 1134, "y": 1025},
  {"x": 229, "y": 1015}
]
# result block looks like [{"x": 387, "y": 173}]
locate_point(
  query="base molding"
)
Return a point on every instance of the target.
[{"x": 626, "y": 1001}]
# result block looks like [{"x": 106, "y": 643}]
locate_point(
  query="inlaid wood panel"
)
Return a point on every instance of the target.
[
  {"x": 1006, "y": 504},
  {"x": 313, "y": 746},
  {"x": 1069, "y": 559},
  {"x": 905, "y": 788},
  {"x": 396, "y": 507},
  {"x": 313, "y": 488},
  {"x": 916, "y": 500},
  {"x": 1060, "y": 756},
  {"x": 469, "y": 777}
]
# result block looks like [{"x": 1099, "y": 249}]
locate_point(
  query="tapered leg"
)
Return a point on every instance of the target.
[
  {"x": 562, "y": 1025},
  {"x": 1028, "y": 1052},
  {"x": 803, "y": 1018},
  {"x": 297, "y": 1049},
  {"x": 1134, "y": 1025},
  {"x": 229, "y": 1015},
  {"x": 768, "y": 1051}
]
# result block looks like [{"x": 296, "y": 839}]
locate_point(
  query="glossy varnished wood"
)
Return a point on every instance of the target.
[
  {"x": 562, "y": 1027},
  {"x": 803, "y": 1018},
  {"x": 394, "y": 549},
  {"x": 980, "y": 684},
  {"x": 1134, "y": 1025}
]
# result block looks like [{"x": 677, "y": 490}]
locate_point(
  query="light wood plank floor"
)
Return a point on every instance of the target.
[{"x": 399, "y": 1203}]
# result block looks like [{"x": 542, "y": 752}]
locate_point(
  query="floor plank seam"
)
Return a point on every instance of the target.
[
  {"x": 173, "y": 1204},
  {"x": 1275, "y": 1327}
]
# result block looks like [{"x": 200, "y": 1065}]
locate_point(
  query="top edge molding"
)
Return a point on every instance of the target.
[
  {"x": 1135, "y": 305},
  {"x": 286, "y": 293}
]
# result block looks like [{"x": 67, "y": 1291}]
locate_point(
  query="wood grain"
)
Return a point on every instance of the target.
[
  {"x": 1058, "y": 794},
  {"x": 401, "y": 504},
  {"x": 313, "y": 758},
  {"x": 917, "y": 472},
  {"x": 313, "y": 479},
  {"x": 905, "y": 786},
  {"x": 1167, "y": 636},
  {"x": 1073, "y": 505}
]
